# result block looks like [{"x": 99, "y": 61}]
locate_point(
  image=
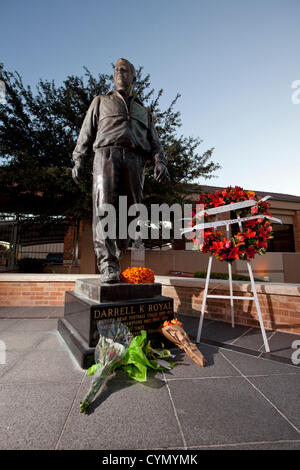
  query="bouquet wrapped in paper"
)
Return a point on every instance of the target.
[
  {"x": 117, "y": 348},
  {"x": 174, "y": 332},
  {"x": 114, "y": 340}
]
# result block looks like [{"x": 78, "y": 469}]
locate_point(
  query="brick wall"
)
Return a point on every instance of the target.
[
  {"x": 34, "y": 293},
  {"x": 279, "y": 303}
]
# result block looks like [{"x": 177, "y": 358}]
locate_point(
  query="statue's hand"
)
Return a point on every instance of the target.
[
  {"x": 161, "y": 172},
  {"x": 77, "y": 172}
]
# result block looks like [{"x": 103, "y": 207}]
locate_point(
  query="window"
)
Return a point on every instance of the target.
[{"x": 283, "y": 238}]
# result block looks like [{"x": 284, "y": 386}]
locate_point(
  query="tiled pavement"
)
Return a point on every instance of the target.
[
  {"x": 244, "y": 339},
  {"x": 242, "y": 399}
]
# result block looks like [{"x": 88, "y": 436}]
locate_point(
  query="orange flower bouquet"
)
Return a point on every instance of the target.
[
  {"x": 174, "y": 321},
  {"x": 137, "y": 275}
]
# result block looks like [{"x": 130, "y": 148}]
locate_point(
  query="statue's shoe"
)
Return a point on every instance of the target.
[{"x": 110, "y": 276}]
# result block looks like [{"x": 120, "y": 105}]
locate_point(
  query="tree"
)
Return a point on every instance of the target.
[{"x": 38, "y": 133}]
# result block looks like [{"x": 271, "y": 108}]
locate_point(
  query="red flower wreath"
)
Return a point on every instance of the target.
[{"x": 244, "y": 245}]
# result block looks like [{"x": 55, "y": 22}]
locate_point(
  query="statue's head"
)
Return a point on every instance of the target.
[{"x": 124, "y": 76}]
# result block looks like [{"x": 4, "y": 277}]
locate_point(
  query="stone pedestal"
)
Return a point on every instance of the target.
[{"x": 139, "y": 306}]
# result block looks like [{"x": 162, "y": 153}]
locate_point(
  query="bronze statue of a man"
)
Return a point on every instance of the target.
[{"x": 121, "y": 132}]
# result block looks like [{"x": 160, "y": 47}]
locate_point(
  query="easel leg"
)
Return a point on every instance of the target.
[
  {"x": 262, "y": 327},
  {"x": 231, "y": 294},
  {"x": 204, "y": 299},
  {"x": 230, "y": 282}
]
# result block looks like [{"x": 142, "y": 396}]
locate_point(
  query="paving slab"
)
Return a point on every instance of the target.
[
  {"x": 253, "y": 339},
  {"x": 9, "y": 359},
  {"x": 52, "y": 341},
  {"x": 128, "y": 415},
  {"x": 281, "y": 344},
  {"x": 7, "y": 323},
  {"x": 30, "y": 324},
  {"x": 19, "y": 340},
  {"x": 249, "y": 365},
  {"x": 190, "y": 323},
  {"x": 223, "y": 332},
  {"x": 237, "y": 401},
  {"x": 186, "y": 368},
  {"x": 43, "y": 366},
  {"x": 31, "y": 312},
  {"x": 277, "y": 445},
  {"x": 225, "y": 411},
  {"x": 32, "y": 416},
  {"x": 284, "y": 393},
  {"x": 242, "y": 338}
]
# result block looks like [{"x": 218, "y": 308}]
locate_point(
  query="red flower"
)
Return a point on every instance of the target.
[
  {"x": 251, "y": 223},
  {"x": 215, "y": 246},
  {"x": 249, "y": 234},
  {"x": 263, "y": 233},
  {"x": 234, "y": 253},
  {"x": 263, "y": 245},
  {"x": 251, "y": 252},
  {"x": 218, "y": 201},
  {"x": 246, "y": 243}
]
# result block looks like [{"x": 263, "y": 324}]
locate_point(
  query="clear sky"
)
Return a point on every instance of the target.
[{"x": 232, "y": 61}]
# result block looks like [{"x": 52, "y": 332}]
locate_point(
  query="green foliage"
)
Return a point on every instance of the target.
[
  {"x": 38, "y": 133},
  {"x": 140, "y": 356},
  {"x": 93, "y": 369},
  {"x": 235, "y": 277}
]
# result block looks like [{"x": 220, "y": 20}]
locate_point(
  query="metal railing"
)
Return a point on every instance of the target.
[{"x": 53, "y": 239}]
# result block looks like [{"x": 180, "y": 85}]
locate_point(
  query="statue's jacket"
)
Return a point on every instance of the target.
[{"x": 110, "y": 122}]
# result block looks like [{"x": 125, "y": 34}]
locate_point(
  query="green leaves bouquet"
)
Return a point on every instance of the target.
[
  {"x": 117, "y": 348},
  {"x": 140, "y": 356}
]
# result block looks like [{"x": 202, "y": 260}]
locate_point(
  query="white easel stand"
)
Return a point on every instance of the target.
[{"x": 232, "y": 297}]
